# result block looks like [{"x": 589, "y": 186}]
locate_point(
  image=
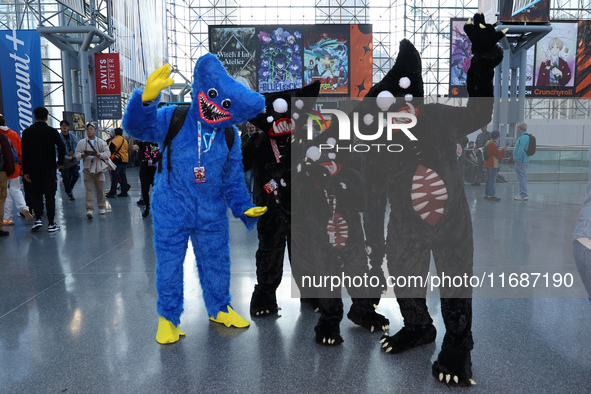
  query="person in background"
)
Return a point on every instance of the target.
[
  {"x": 70, "y": 175},
  {"x": 521, "y": 160},
  {"x": 481, "y": 140},
  {"x": 248, "y": 175},
  {"x": 15, "y": 193},
  {"x": 92, "y": 150},
  {"x": 119, "y": 156},
  {"x": 492, "y": 165},
  {"x": 6, "y": 170},
  {"x": 582, "y": 238},
  {"x": 148, "y": 153},
  {"x": 39, "y": 165}
]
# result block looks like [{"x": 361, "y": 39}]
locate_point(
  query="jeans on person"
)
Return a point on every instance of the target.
[
  {"x": 70, "y": 177},
  {"x": 491, "y": 177},
  {"x": 117, "y": 173},
  {"x": 521, "y": 171},
  {"x": 583, "y": 259}
]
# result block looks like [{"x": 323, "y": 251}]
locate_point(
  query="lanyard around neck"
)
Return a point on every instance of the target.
[{"x": 207, "y": 143}]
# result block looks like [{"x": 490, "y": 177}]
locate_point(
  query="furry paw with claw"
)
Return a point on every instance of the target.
[{"x": 454, "y": 367}]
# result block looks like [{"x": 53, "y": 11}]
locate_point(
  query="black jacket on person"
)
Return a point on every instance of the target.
[
  {"x": 8, "y": 166},
  {"x": 39, "y": 142}
]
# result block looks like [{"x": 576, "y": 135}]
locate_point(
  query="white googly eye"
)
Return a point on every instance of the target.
[
  {"x": 385, "y": 100},
  {"x": 331, "y": 141},
  {"x": 332, "y": 155},
  {"x": 313, "y": 153},
  {"x": 280, "y": 106},
  {"x": 270, "y": 119},
  {"x": 368, "y": 119},
  {"x": 283, "y": 183},
  {"x": 299, "y": 104},
  {"x": 404, "y": 82},
  {"x": 368, "y": 249},
  {"x": 408, "y": 97},
  {"x": 295, "y": 116}
]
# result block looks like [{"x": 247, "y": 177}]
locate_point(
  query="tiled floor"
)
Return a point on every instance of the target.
[{"x": 77, "y": 313}]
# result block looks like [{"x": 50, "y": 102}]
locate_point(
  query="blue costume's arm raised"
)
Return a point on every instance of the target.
[
  {"x": 145, "y": 122},
  {"x": 237, "y": 196}
]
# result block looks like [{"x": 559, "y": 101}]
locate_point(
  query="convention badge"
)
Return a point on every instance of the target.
[
  {"x": 270, "y": 186},
  {"x": 150, "y": 162},
  {"x": 199, "y": 174}
]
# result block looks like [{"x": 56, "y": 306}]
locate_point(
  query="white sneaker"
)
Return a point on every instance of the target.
[
  {"x": 53, "y": 227},
  {"x": 519, "y": 198},
  {"x": 102, "y": 211},
  {"x": 37, "y": 224},
  {"x": 89, "y": 214}
]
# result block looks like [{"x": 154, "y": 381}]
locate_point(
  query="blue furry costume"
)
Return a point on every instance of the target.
[{"x": 183, "y": 208}]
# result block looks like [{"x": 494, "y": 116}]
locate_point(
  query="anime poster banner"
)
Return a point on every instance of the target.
[
  {"x": 524, "y": 11},
  {"x": 460, "y": 57},
  {"x": 280, "y": 58},
  {"x": 236, "y": 49},
  {"x": 326, "y": 58},
  {"x": 556, "y": 61},
  {"x": 583, "y": 73}
]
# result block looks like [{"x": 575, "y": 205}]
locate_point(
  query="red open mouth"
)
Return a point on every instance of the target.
[
  {"x": 282, "y": 126},
  {"x": 333, "y": 167},
  {"x": 210, "y": 111}
]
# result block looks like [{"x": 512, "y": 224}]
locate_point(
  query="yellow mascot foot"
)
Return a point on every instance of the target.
[
  {"x": 230, "y": 318},
  {"x": 167, "y": 332}
]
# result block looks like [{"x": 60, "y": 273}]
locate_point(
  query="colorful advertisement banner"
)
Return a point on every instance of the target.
[
  {"x": 280, "y": 58},
  {"x": 236, "y": 49},
  {"x": 524, "y": 11},
  {"x": 22, "y": 79},
  {"x": 556, "y": 56},
  {"x": 108, "y": 85},
  {"x": 460, "y": 58},
  {"x": 557, "y": 66},
  {"x": 326, "y": 56},
  {"x": 273, "y": 58}
]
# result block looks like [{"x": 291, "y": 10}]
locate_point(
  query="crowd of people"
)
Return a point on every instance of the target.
[
  {"x": 28, "y": 169},
  {"x": 481, "y": 160}
]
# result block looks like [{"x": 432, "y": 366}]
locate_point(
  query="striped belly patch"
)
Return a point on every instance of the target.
[{"x": 428, "y": 194}]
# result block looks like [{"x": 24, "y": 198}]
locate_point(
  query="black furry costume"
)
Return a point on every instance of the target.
[
  {"x": 328, "y": 238},
  {"x": 273, "y": 172},
  {"x": 429, "y": 210}
]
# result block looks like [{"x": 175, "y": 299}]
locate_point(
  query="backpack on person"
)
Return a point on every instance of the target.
[
  {"x": 531, "y": 149},
  {"x": 14, "y": 152}
]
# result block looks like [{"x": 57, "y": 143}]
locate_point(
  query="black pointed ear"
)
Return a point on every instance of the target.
[
  {"x": 311, "y": 90},
  {"x": 408, "y": 56}
]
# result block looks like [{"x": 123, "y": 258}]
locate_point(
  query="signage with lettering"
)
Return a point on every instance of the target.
[
  {"x": 108, "y": 85},
  {"x": 22, "y": 79}
]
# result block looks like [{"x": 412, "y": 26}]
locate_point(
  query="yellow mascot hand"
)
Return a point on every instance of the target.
[
  {"x": 157, "y": 81},
  {"x": 255, "y": 212}
]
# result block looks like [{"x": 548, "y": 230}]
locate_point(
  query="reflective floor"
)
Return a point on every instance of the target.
[{"x": 77, "y": 313}]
